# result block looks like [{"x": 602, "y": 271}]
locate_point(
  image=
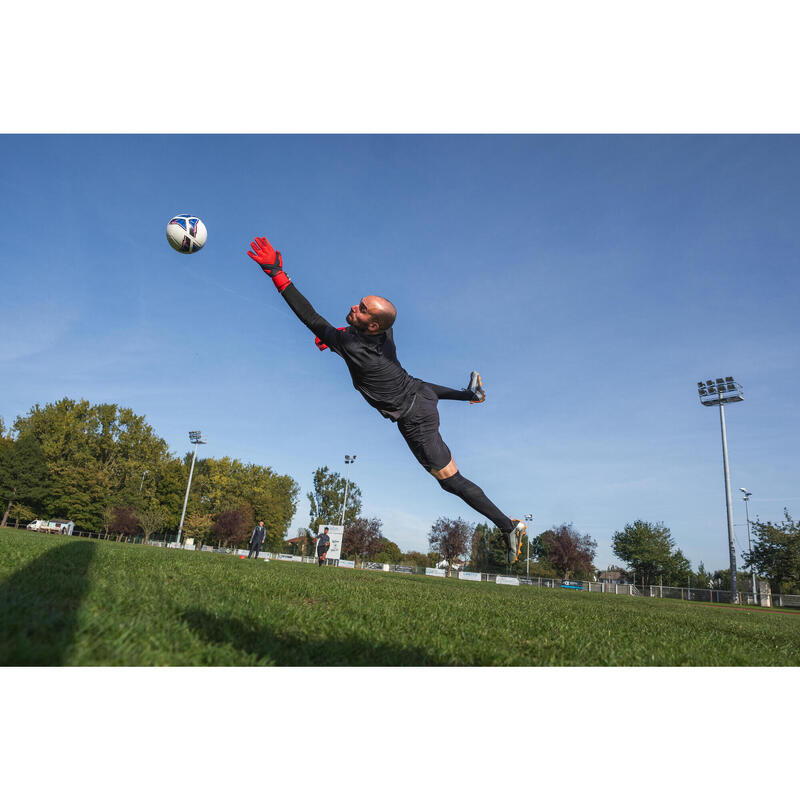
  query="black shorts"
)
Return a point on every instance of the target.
[{"x": 420, "y": 429}]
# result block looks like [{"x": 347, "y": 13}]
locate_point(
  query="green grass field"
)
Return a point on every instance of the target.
[{"x": 77, "y": 602}]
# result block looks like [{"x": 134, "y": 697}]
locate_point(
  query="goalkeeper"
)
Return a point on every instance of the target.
[{"x": 367, "y": 347}]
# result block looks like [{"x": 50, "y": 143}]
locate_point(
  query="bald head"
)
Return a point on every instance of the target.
[
  {"x": 372, "y": 315},
  {"x": 383, "y": 312}
]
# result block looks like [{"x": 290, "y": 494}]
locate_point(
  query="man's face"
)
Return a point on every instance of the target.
[{"x": 360, "y": 316}]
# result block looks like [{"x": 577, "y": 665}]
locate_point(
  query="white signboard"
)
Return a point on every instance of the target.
[
  {"x": 469, "y": 576},
  {"x": 287, "y": 557},
  {"x": 434, "y": 571},
  {"x": 240, "y": 552},
  {"x": 336, "y": 532},
  {"x": 350, "y": 564},
  {"x": 507, "y": 581}
]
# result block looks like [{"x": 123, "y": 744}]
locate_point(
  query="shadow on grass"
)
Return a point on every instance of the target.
[
  {"x": 290, "y": 650},
  {"x": 39, "y": 606}
]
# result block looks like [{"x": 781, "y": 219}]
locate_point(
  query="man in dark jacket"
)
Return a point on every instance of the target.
[
  {"x": 323, "y": 543},
  {"x": 367, "y": 347},
  {"x": 257, "y": 539}
]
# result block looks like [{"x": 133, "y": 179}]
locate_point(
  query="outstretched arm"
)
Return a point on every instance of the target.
[{"x": 271, "y": 261}]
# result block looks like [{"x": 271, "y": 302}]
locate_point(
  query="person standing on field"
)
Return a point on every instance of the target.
[
  {"x": 323, "y": 544},
  {"x": 257, "y": 538}
]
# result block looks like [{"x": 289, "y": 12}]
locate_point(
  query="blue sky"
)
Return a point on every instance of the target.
[{"x": 592, "y": 280}]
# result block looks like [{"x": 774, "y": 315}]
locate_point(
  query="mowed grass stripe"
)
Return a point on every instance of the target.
[{"x": 76, "y": 602}]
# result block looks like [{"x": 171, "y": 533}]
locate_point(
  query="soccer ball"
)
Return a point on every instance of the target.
[{"x": 186, "y": 233}]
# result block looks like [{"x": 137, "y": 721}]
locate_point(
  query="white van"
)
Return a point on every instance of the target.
[{"x": 63, "y": 526}]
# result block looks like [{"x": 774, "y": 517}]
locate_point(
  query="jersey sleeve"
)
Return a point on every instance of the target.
[{"x": 316, "y": 323}]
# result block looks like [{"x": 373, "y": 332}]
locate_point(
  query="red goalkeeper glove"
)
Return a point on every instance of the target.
[{"x": 270, "y": 260}]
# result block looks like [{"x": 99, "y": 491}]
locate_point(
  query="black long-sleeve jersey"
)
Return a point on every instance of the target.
[{"x": 372, "y": 360}]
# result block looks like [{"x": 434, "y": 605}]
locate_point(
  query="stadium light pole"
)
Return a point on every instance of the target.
[
  {"x": 528, "y": 518},
  {"x": 746, "y": 499},
  {"x": 197, "y": 438},
  {"x": 347, "y": 460},
  {"x": 142, "y": 481},
  {"x": 719, "y": 393}
]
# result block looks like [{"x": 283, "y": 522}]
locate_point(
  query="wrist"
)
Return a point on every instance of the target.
[{"x": 281, "y": 280}]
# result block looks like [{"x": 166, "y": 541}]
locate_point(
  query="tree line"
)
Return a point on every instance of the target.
[{"x": 104, "y": 467}]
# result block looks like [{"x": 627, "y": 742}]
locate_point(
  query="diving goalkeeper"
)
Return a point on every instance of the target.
[{"x": 367, "y": 347}]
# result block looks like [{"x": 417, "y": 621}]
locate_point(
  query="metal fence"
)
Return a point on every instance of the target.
[{"x": 687, "y": 593}]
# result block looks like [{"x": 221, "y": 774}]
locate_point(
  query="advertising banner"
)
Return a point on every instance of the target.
[
  {"x": 507, "y": 581},
  {"x": 469, "y": 576},
  {"x": 349, "y": 564},
  {"x": 435, "y": 571},
  {"x": 336, "y": 533}
]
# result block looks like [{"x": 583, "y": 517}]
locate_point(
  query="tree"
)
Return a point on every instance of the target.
[
  {"x": 167, "y": 487},
  {"x": 721, "y": 579},
  {"x": 20, "y": 512},
  {"x": 198, "y": 527},
  {"x": 327, "y": 499},
  {"x": 226, "y": 483},
  {"x": 232, "y": 527},
  {"x": 452, "y": 539},
  {"x": 388, "y": 552},
  {"x": 677, "y": 569},
  {"x": 701, "y": 578},
  {"x": 419, "y": 560},
  {"x": 95, "y": 456},
  {"x": 776, "y": 553},
  {"x": 124, "y": 522},
  {"x": 107, "y": 518},
  {"x": 24, "y": 476},
  {"x": 567, "y": 551},
  {"x": 151, "y": 520},
  {"x": 646, "y": 547},
  {"x": 362, "y": 538},
  {"x": 488, "y": 552}
]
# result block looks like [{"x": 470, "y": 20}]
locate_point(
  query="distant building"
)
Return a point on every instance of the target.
[
  {"x": 299, "y": 544},
  {"x": 611, "y": 576}
]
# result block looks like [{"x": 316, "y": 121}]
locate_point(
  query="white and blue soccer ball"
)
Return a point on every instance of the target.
[{"x": 186, "y": 233}]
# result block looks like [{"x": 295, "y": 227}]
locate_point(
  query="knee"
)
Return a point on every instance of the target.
[
  {"x": 453, "y": 483},
  {"x": 445, "y": 472}
]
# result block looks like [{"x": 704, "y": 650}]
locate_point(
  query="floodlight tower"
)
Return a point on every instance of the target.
[
  {"x": 718, "y": 393},
  {"x": 528, "y": 518},
  {"x": 196, "y": 438},
  {"x": 746, "y": 499},
  {"x": 347, "y": 460}
]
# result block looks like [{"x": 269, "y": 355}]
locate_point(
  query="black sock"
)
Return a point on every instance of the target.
[
  {"x": 474, "y": 497},
  {"x": 445, "y": 393}
]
